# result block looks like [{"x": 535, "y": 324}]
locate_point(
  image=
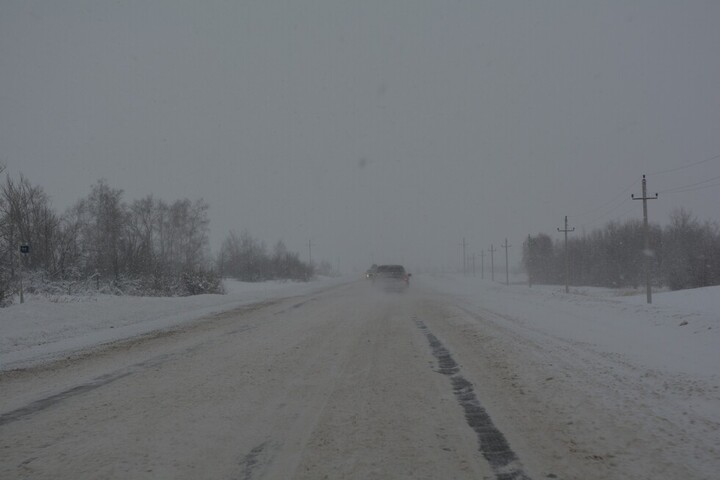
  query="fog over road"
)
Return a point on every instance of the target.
[{"x": 347, "y": 383}]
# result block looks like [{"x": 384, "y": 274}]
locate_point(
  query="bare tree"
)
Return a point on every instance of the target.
[
  {"x": 690, "y": 252},
  {"x": 27, "y": 218},
  {"x": 243, "y": 257},
  {"x": 102, "y": 217},
  {"x": 142, "y": 230}
]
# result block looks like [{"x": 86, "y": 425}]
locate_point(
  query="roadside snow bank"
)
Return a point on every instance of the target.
[
  {"x": 679, "y": 332},
  {"x": 45, "y": 329}
]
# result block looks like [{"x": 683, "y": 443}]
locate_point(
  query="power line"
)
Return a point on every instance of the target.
[
  {"x": 679, "y": 189},
  {"x": 625, "y": 190},
  {"x": 600, "y": 217},
  {"x": 669, "y": 170},
  {"x": 603, "y": 205},
  {"x": 693, "y": 189},
  {"x": 617, "y": 217},
  {"x": 673, "y": 189},
  {"x": 669, "y": 190}
]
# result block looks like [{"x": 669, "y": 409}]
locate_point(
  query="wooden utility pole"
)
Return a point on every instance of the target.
[
  {"x": 473, "y": 264},
  {"x": 646, "y": 253},
  {"x": 492, "y": 262},
  {"x": 464, "y": 245},
  {"x": 482, "y": 264},
  {"x": 22, "y": 264},
  {"x": 529, "y": 262},
  {"x": 310, "y": 252},
  {"x": 20, "y": 271},
  {"x": 567, "y": 263},
  {"x": 507, "y": 269}
]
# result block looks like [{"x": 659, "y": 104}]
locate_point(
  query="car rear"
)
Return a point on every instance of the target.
[{"x": 392, "y": 277}]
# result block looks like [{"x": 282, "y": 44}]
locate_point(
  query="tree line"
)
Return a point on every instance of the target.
[
  {"x": 247, "y": 259},
  {"x": 143, "y": 247},
  {"x": 683, "y": 254}
]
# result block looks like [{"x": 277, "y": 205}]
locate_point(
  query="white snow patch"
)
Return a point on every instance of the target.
[
  {"x": 608, "y": 321},
  {"x": 44, "y": 329}
]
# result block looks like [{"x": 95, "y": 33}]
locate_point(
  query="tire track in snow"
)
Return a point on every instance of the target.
[
  {"x": 492, "y": 443},
  {"x": 47, "y": 402},
  {"x": 102, "y": 380},
  {"x": 253, "y": 460}
]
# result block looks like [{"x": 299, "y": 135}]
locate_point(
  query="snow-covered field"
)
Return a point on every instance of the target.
[
  {"x": 679, "y": 331},
  {"x": 44, "y": 329}
]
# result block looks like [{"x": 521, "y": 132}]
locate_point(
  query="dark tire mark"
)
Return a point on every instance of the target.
[
  {"x": 48, "y": 402},
  {"x": 446, "y": 363},
  {"x": 251, "y": 461},
  {"x": 492, "y": 443},
  {"x": 98, "y": 382},
  {"x": 300, "y": 304},
  {"x": 294, "y": 306}
]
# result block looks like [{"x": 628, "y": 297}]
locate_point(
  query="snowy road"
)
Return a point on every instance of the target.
[{"x": 348, "y": 383}]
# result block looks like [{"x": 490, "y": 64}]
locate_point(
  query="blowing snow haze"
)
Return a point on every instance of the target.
[{"x": 380, "y": 131}]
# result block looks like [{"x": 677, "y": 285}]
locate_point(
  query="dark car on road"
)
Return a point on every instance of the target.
[{"x": 391, "y": 277}]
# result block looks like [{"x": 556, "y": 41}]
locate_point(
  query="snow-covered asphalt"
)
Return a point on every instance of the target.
[{"x": 351, "y": 382}]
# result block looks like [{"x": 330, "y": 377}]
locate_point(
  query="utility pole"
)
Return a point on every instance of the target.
[
  {"x": 22, "y": 263},
  {"x": 529, "y": 262},
  {"x": 20, "y": 272},
  {"x": 567, "y": 264},
  {"x": 507, "y": 269},
  {"x": 464, "y": 245},
  {"x": 646, "y": 253},
  {"x": 492, "y": 262},
  {"x": 310, "y": 252},
  {"x": 473, "y": 264},
  {"x": 482, "y": 264}
]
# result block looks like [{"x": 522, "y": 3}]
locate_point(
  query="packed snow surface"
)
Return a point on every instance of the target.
[
  {"x": 592, "y": 384},
  {"x": 679, "y": 331},
  {"x": 47, "y": 328}
]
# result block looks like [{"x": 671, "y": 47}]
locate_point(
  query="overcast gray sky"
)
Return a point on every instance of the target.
[{"x": 383, "y": 130}]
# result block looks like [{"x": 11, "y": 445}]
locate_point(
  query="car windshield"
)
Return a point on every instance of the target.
[
  {"x": 391, "y": 269},
  {"x": 360, "y": 239}
]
